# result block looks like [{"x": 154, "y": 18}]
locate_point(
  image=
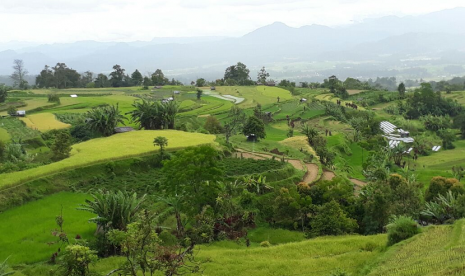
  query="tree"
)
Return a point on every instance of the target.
[
  {"x": 61, "y": 148},
  {"x": 101, "y": 81},
  {"x": 440, "y": 186},
  {"x": 162, "y": 142},
  {"x": 145, "y": 255},
  {"x": 262, "y": 75},
  {"x": 213, "y": 125},
  {"x": 114, "y": 210},
  {"x": 11, "y": 110},
  {"x": 331, "y": 220},
  {"x": 87, "y": 78},
  {"x": 147, "y": 82},
  {"x": 3, "y": 93},
  {"x": 116, "y": 77},
  {"x": 65, "y": 77},
  {"x": 19, "y": 74},
  {"x": 199, "y": 93},
  {"x": 459, "y": 122},
  {"x": 158, "y": 78},
  {"x": 200, "y": 82},
  {"x": 154, "y": 115},
  {"x": 401, "y": 89},
  {"x": 310, "y": 132},
  {"x": 238, "y": 73},
  {"x": 255, "y": 128},
  {"x": 137, "y": 77},
  {"x": 193, "y": 173},
  {"x": 236, "y": 118},
  {"x": 45, "y": 78},
  {"x": 104, "y": 119}
]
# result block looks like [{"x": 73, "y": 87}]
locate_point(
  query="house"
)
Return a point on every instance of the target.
[
  {"x": 21, "y": 113},
  {"x": 212, "y": 88}
]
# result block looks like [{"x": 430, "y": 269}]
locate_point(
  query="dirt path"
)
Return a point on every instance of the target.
[
  {"x": 328, "y": 175},
  {"x": 312, "y": 173},
  {"x": 358, "y": 182},
  {"x": 312, "y": 169}
]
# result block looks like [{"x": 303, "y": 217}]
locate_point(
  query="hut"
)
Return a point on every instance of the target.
[
  {"x": 21, "y": 113},
  {"x": 123, "y": 129}
]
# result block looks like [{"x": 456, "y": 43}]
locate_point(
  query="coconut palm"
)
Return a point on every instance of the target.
[
  {"x": 162, "y": 142},
  {"x": 114, "y": 210},
  {"x": 104, "y": 119},
  {"x": 170, "y": 109}
]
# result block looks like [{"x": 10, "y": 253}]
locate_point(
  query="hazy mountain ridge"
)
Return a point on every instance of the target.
[{"x": 387, "y": 42}]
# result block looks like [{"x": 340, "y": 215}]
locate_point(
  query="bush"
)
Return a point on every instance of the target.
[
  {"x": 401, "y": 229},
  {"x": 265, "y": 244}
]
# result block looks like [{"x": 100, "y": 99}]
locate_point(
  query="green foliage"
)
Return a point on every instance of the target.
[
  {"x": 162, "y": 142},
  {"x": 201, "y": 82},
  {"x": 199, "y": 94},
  {"x": 238, "y": 74},
  {"x": 213, "y": 125},
  {"x": 3, "y": 93},
  {"x": 254, "y": 126},
  {"x": 77, "y": 259},
  {"x": 330, "y": 219},
  {"x": 441, "y": 186},
  {"x": 114, "y": 210},
  {"x": 265, "y": 244},
  {"x": 401, "y": 229},
  {"x": 154, "y": 115},
  {"x": 104, "y": 119},
  {"x": 53, "y": 98},
  {"x": 444, "y": 208},
  {"x": 262, "y": 75},
  {"x": 237, "y": 166},
  {"x": 11, "y": 110},
  {"x": 61, "y": 148}
]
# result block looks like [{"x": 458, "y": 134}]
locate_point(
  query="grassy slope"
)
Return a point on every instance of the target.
[
  {"x": 17, "y": 130},
  {"x": 114, "y": 147},
  {"x": 312, "y": 257},
  {"x": 255, "y": 94},
  {"x": 4, "y": 135},
  {"x": 437, "y": 251},
  {"x": 26, "y": 230},
  {"x": 43, "y": 122}
]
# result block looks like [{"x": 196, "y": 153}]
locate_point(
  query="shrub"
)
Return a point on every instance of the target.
[
  {"x": 265, "y": 244},
  {"x": 401, "y": 229},
  {"x": 213, "y": 125},
  {"x": 369, "y": 246},
  {"x": 331, "y": 220},
  {"x": 440, "y": 186}
]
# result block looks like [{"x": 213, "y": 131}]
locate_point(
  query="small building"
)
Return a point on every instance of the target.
[
  {"x": 212, "y": 88},
  {"x": 21, "y": 113},
  {"x": 303, "y": 100},
  {"x": 177, "y": 92},
  {"x": 73, "y": 96}
]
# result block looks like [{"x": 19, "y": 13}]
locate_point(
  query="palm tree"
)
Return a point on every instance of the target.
[
  {"x": 170, "y": 109},
  {"x": 162, "y": 142},
  {"x": 310, "y": 132},
  {"x": 147, "y": 115},
  {"x": 175, "y": 202},
  {"x": 104, "y": 119},
  {"x": 114, "y": 210},
  {"x": 4, "y": 267}
]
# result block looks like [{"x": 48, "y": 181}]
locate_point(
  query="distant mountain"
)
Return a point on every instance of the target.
[{"x": 400, "y": 46}]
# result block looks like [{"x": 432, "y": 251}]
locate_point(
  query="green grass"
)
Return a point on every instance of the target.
[
  {"x": 25, "y": 231},
  {"x": 118, "y": 146},
  {"x": 17, "y": 130},
  {"x": 319, "y": 256},
  {"x": 275, "y": 236},
  {"x": 4, "y": 135},
  {"x": 263, "y": 95},
  {"x": 439, "y": 250}
]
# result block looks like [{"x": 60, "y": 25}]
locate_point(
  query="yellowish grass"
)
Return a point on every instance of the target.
[
  {"x": 4, "y": 135},
  {"x": 32, "y": 104},
  {"x": 43, "y": 122},
  {"x": 298, "y": 142},
  {"x": 115, "y": 147}
]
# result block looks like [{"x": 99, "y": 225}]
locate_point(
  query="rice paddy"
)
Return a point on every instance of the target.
[
  {"x": 115, "y": 147},
  {"x": 43, "y": 122}
]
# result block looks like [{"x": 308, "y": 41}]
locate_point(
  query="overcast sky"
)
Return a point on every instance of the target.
[{"x": 128, "y": 20}]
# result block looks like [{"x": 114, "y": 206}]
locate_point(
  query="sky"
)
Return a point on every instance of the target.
[{"x": 54, "y": 21}]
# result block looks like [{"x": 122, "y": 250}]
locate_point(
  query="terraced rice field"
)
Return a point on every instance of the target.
[
  {"x": 43, "y": 122},
  {"x": 115, "y": 147}
]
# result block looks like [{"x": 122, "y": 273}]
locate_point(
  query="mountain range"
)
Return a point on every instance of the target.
[{"x": 425, "y": 46}]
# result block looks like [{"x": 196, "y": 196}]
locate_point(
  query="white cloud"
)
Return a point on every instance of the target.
[{"x": 126, "y": 20}]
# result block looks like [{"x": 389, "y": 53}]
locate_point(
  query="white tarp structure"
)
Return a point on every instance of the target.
[
  {"x": 436, "y": 148},
  {"x": 73, "y": 96},
  {"x": 395, "y": 134}
]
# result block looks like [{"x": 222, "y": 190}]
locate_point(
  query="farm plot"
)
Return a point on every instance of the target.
[
  {"x": 25, "y": 231},
  {"x": 115, "y": 147},
  {"x": 43, "y": 122},
  {"x": 17, "y": 129},
  {"x": 263, "y": 95}
]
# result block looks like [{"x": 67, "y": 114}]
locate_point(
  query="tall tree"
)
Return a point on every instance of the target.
[
  {"x": 254, "y": 128},
  {"x": 401, "y": 89},
  {"x": 101, "y": 81},
  {"x": 262, "y": 75},
  {"x": 65, "y": 77},
  {"x": 236, "y": 120},
  {"x": 3, "y": 93},
  {"x": 158, "y": 78},
  {"x": 45, "y": 79},
  {"x": 137, "y": 77},
  {"x": 86, "y": 78},
  {"x": 238, "y": 73},
  {"x": 62, "y": 146},
  {"x": 19, "y": 74},
  {"x": 116, "y": 77}
]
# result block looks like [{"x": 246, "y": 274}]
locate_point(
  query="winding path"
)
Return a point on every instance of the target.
[{"x": 309, "y": 177}]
